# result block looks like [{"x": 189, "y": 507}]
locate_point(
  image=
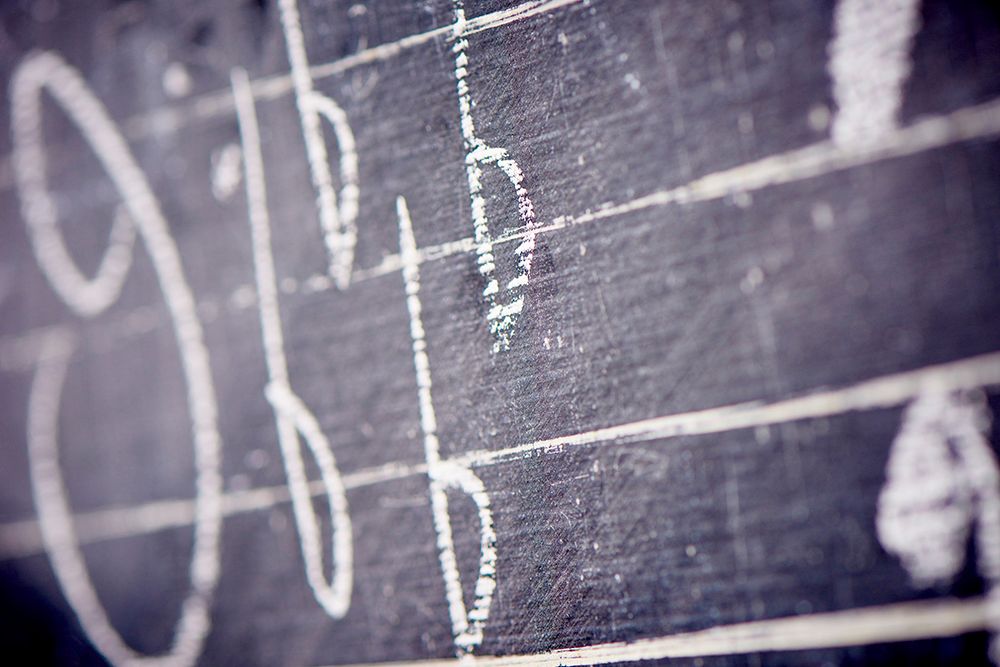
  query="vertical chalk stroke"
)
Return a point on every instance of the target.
[
  {"x": 467, "y": 625},
  {"x": 504, "y": 304},
  {"x": 869, "y": 63},
  {"x": 140, "y": 212},
  {"x": 292, "y": 417},
  {"x": 338, "y": 219},
  {"x": 942, "y": 483}
]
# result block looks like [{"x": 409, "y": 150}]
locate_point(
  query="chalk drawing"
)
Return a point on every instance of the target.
[
  {"x": 869, "y": 63},
  {"x": 292, "y": 417},
  {"x": 902, "y": 621},
  {"x": 876, "y": 393},
  {"x": 942, "y": 483},
  {"x": 505, "y": 303},
  {"x": 337, "y": 220},
  {"x": 47, "y": 71},
  {"x": 226, "y": 171},
  {"x": 981, "y": 121},
  {"x": 941, "y": 450},
  {"x": 467, "y": 626},
  {"x": 85, "y": 297}
]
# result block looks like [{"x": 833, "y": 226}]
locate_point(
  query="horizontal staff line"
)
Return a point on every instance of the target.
[
  {"x": 23, "y": 538},
  {"x": 882, "y": 392},
  {"x": 19, "y": 352},
  {"x": 976, "y": 122},
  {"x": 220, "y": 102},
  {"x": 819, "y": 159},
  {"x": 902, "y": 621}
]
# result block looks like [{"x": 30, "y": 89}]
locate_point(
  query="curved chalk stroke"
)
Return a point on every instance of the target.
[
  {"x": 47, "y": 71},
  {"x": 292, "y": 416},
  {"x": 466, "y": 626},
  {"x": 942, "y": 480},
  {"x": 86, "y": 297},
  {"x": 338, "y": 221},
  {"x": 502, "y": 313}
]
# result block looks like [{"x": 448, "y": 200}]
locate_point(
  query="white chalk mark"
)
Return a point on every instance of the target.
[
  {"x": 869, "y": 63},
  {"x": 220, "y": 103},
  {"x": 23, "y": 538},
  {"x": 467, "y": 627},
  {"x": 882, "y": 392},
  {"x": 21, "y": 352},
  {"x": 819, "y": 159},
  {"x": 904, "y": 621},
  {"x": 338, "y": 221},
  {"x": 176, "y": 80},
  {"x": 227, "y": 171},
  {"x": 941, "y": 482},
  {"x": 968, "y": 124},
  {"x": 925, "y": 510},
  {"x": 85, "y": 297},
  {"x": 504, "y": 302},
  {"x": 292, "y": 417},
  {"x": 47, "y": 71},
  {"x": 888, "y": 391}
]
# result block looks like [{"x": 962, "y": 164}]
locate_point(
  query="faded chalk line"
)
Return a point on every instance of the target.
[
  {"x": 220, "y": 103},
  {"x": 23, "y": 538},
  {"x": 883, "y": 392}
]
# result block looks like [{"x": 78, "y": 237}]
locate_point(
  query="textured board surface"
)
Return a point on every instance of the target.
[{"x": 264, "y": 404}]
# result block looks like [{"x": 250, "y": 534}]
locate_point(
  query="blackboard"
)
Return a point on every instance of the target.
[{"x": 546, "y": 332}]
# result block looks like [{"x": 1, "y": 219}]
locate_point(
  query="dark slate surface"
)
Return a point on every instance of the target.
[{"x": 627, "y": 318}]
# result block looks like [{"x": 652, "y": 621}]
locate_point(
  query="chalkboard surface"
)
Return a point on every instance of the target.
[{"x": 551, "y": 332}]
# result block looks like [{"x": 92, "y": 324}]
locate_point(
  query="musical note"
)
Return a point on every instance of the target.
[
  {"x": 139, "y": 212},
  {"x": 292, "y": 417}
]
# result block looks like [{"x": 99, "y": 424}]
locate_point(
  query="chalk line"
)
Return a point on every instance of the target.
[
  {"x": 819, "y": 159},
  {"x": 20, "y": 539},
  {"x": 292, "y": 416},
  {"x": 467, "y": 625},
  {"x": 969, "y": 124},
  {"x": 903, "y": 621},
  {"x": 883, "y": 392},
  {"x": 869, "y": 63},
  {"x": 48, "y": 71}
]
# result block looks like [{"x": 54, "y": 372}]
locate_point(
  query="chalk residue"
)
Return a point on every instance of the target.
[
  {"x": 869, "y": 63},
  {"x": 942, "y": 484}
]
